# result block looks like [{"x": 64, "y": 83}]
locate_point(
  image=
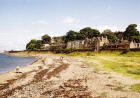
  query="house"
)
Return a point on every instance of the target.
[
  {"x": 77, "y": 44},
  {"x": 94, "y": 43},
  {"x": 134, "y": 45},
  {"x": 45, "y": 46}
]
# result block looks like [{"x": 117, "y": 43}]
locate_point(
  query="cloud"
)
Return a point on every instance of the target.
[
  {"x": 9, "y": 42},
  {"x": 112, "y": 28},
  {"x": 40, "y": 22},
  {"x": 69, "y": 20}
]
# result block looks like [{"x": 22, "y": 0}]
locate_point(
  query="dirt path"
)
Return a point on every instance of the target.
[{"x": 52, "y": 78}]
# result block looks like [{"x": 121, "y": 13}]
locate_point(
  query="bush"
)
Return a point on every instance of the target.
[
  {"x": 135, "y": 87},
  {"x": 90, "y": 54},
  {"x": 66, "y": 51},
  {"x": 125, "y": 51},
  {"x": 134, "y": 71}
]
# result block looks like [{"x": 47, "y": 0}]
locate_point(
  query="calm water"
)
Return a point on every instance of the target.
[{"x": 8, "y": 63}]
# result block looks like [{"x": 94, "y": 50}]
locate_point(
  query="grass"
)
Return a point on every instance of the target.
[
  {"x": 119, "y": 88},
  {"x": 104, "y": 95},
  {"x": 127, "y": 63},
  {"x": 136, "y": 87}
]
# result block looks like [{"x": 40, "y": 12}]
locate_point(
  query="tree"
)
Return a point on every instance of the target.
[
  {"x": 59, "y": 40},
  {"x": 119, "y": 34},
  {"x": 111, "y": 36},
  {"x": 71, "y": 36},
  {"x": 136, "y": 38},
  {"x": 80, "y": 36},
  {"x": 64, "y": 39},
  {"x": 46, "y": 39},
  {"x": 93, "y": 33},
  {"x": 84, "y": 32},
  {"x": 130, "y": 31},
  {"x": 38, "y": 44},
  {"x": 31, "y": 45},
  {"x": 107, "y": 31},
  {"x": 88, "y": 32}
]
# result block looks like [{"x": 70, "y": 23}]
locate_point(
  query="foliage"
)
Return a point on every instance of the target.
[
  {"x": 38, "y": 44},
  {"x": 93, "y": 33},
  {"x": 88, "y": 32},
  {"x": 107, "y": 31},
  {"x": 71, "y": 36},
  {"x": 104, "y": 95},
  {"x": 31, "y": 45},
  {"x": 111, "y": 36},
  {"x": 127, "y": 64},
  {"x": 34, "y": 44},
  {"x": 85, "y": 31},
  {"x": 130, "y": 31},
  {"x": 59, "y": 40},
  {"x": 119, "y": 88},
  {"x": 64, "y": 39},
  {"x": 134, "y": 71},
  {"x": 135, "y": 87},
  {"x": 119, "y": 34},
  {"x": 125, "y": 51},
  {"x": 136, "y": 38},
  {"x": 46, "y": 39},
  {"x": 66, "y": 51}
]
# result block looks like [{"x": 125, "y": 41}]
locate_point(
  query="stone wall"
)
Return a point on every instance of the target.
[{"x": 94, "y": 43}]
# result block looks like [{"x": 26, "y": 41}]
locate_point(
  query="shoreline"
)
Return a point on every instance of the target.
[
  {"x": 6, "y": 75},
  {"x": 22, "y": 65},
  {"x": 51, "y": 77}
]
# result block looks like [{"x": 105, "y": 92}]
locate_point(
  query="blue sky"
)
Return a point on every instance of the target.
[{"x": 23, "y": 20}]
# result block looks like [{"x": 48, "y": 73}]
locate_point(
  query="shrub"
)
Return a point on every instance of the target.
[
  {"x": 90, "y": 54},
  {"x": 134, "y": 71},
  {"x": 125, "y": 51},
  {"x": 66, "y": 51},
  {"x": 135, "y": 87}
]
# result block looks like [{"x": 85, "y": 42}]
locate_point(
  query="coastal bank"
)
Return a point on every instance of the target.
[{"x": 53, "y": 77}]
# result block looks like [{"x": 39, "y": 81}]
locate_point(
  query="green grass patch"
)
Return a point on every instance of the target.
[
  {"x": 136, "y": 87},
  {"x": 119, "y": 88},
  {"x": 134, "y": 71},
  {"x": 126, "y": 62}
]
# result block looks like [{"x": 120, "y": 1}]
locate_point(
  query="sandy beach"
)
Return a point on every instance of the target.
[{"x": 52, "y": 77}]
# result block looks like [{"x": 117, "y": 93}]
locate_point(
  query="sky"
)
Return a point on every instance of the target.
[{"x": 23, "y": 20}]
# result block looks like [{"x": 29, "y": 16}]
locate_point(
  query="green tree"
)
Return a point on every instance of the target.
[
  {"x": 31, "y": 45},
  {"x": 64, "y": 39},
  {"x": 84, "y": 32},
  {"x": 130, "y": 31},
  {"x": 38, "y": 44},
  {"x": 111, "y": 36},
  {"x": 107, "y": 31},
  {"x": 71, "y": 36},
  {"x": 88, "y": 32},
  {"x": 93, "y": 33},
  {"x": 80, "y": 36},
  {"x": 46, "y": 39},
  {"x": 136, "y": 38},
  {"x": 119, "y": 34}
]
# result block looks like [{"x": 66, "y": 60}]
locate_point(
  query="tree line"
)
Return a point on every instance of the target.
[{"x": 131, "y": 33}]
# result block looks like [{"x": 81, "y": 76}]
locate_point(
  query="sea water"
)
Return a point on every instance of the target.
[{"x": 8, "y": 63}]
